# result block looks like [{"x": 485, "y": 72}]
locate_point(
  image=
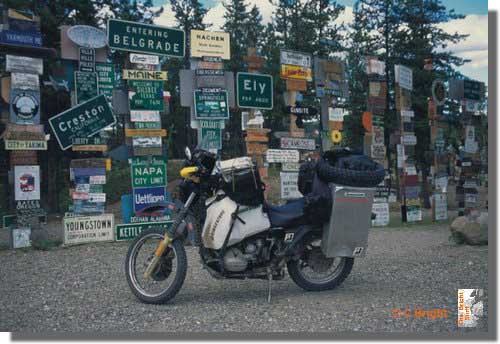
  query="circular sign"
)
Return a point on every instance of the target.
[
  {"x": 25, "y": 106},
  {"x": 336, "y": 136},
  {"x": 439, "y": 92},
  {"x": 87, "y": 36}
]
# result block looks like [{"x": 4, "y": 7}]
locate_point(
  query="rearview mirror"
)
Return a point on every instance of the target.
[{"x": 187, "y": 152}]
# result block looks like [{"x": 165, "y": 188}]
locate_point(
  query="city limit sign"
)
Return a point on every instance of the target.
[
  {"x": 255, "y": 91},
  {"x": 145, "y": 38}
]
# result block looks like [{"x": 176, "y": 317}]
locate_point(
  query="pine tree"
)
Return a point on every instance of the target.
[
  {"x": 236, "y": 24},
  {"x": 254, "y": 28}
]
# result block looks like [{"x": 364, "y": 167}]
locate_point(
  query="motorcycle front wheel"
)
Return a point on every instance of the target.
[
  {"x": 313, "y": 271},
  {"x": 168, "y": 276}
]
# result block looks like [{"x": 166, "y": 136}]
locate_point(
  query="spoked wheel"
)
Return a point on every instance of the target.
[
  {"x": 168, "y": 276},
  {"x": 315, "y": 272}
]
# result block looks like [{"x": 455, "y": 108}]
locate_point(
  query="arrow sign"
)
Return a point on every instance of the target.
[{"x": 305, "y": 111}]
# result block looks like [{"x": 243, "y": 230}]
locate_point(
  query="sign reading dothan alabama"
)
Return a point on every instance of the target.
[
  {"x": 83, "y": 120},
  {"x": 144, "y": 38}
]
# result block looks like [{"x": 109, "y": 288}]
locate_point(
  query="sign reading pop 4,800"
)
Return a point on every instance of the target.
[
  {"x": 144, "y": 38},
  {"x": 255, "y": 91},
  {"x": 83, "y": 120}
]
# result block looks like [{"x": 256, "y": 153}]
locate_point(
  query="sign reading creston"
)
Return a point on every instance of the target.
[
  {"x": 84, "y": 120},
  {"x": 255, "y": 91},
  {"x": 145, "y": 38}
]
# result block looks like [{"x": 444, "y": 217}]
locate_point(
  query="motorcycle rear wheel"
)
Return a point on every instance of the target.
[
  {"x": 152, "y": 290},
  {"x": 329, "y": 272}
]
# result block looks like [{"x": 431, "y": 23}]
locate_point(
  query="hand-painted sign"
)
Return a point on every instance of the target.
[
  {"x": 145, "y": 132},
  {"x": 25, "y": 145},
  {"x": 146, "y": 141},
  {"x": 83, "y": 229},
  {"x": 282, "y": 155},
  {"x": 23, "y": 64},
  {"x": 296, "y": 72},
  {"x": 382, "y": 212},
  {"x": 255, "y": 148},
  {"x": 86, "y": 86},
  {"x": 148, "y": 174},
  {"x": 144, "y": 197},
  {"x": 139, "y": 74},
  {"x": 404, "y": 77},
  {"x": 409, "y": 140},
  {"x": 144, "y": 116},
  {"x": 27, "y": 183},
  {"x": 86, "y": 62},
  {"x": 145, "y": 95},
  {"x": 145, "y": 38},
  {"x": 23, "y": 157},
  {"x": 254, "y": 91},
  {"x": 336, "y": 114},
  {"x": 130, "y": 231},
  {"x": 211, "y": 105},
  {"x": 144, "y": 59},
  {"x": 289, "y": 185},
  {"x": 87, "y": 36},
  {"x": 207, "y": 43},
  {"x": 295, "y": 58},
  {"x": 24, "y": 106},
  {"x": 84, "y": 120},
  {"x": 296, "y": 143}
]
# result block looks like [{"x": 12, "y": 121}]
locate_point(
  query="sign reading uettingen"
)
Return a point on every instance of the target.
[
  {"x": 144, "y": 38},
  {"x": 83, "y": 120}
]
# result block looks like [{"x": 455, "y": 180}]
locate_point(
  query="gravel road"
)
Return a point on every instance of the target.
[{"x": 83, "y": 288}]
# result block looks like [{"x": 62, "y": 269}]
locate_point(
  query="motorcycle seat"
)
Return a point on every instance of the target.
[{"x": 287, "y": 215}]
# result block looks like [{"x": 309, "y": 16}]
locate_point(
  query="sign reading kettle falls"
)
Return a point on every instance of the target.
[
  {"x": 144, "y": 38},
  {"x": 84, "y": 120}
]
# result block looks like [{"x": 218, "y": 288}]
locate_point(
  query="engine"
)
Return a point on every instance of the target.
[{"x": 247, "y": 254}]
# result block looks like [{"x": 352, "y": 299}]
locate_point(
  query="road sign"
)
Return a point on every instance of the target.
[
  {"x": 86, "y": 86},
  {"x": 144, "y": 59},
  {"x": 105, "y": 79},
  {"x": 129, "y": 231},
  {"x": 81, "y": 229},
  {"x": 295, "y": 58},
  {"x": 24, "y": 81},
  {"x": 207, "y": 43},
  {"x": 149, "y": 175},
  {"x": 83, "y": 120},
  {"x": 146, "y": 141},
  {"x": 289, "y": 185},
  {"x": 298, "y": 110},
  {"x": 210, "y": 134},
  {"x": 24, "y": 106},
  {"x": 145, "y": 95},
  {"x": 144, "y": 197},
  {"x": 146, "y": 38},
  {"x": 296, "y": 72},
  {"x": 150, "y": 116},
  {"x": 23, "y": 64},
  {"x": 296, "y": 143},
  {"x": 17, "y": 37},
  {"x": 145, "y": 132},
  {"x": 144, "y": 74},
  {"x": 25, "y": 145},
  {"x": 404, "y": 76},
  {"x": 86, "y": 61},
  {"x": 211, "y": 105},
  {"x": 254, "y": 90}
]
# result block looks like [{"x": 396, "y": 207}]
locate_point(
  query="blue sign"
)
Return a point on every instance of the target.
[
  {"x": 88, "y": 171},
  {"x": 21, "y": 38},
  {"x": 145, "y": 197},
  {"x": 127, "y": 206}
]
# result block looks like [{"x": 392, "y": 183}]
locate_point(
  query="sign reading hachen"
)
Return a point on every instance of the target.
[
  {"x": 84, "y": 120},
  {"x": 83, "y": 229},
  {"x": 207, "y": 43},
  {"x": 145, "y": 38}
]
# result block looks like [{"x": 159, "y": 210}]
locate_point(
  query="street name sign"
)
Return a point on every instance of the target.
[
  {"x": 146, "y": 38},
  {"x": 254, "y": 91}
]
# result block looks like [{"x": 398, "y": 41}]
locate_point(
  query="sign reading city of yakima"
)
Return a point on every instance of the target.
[
  {"x": 129, "y": 231},
  {"x": 150, "y": 174},
  {"x": 25, "y": 145},
  {"x": 105, "y": 78},
  {"x": 254, "y": 91},
  {"x": 86, "y": 86},
  {"x": 207, "y": 43},
  {"x": 145, "y": 95},
  {"x": 211, "y": 105},
  {"x": 295, "y": 58},
  {"x": 297, "y": 143},
  {"x": 83, "y": 120},
  {"x": 141, "y": 74},
  {"x": 145, "y": 38}
]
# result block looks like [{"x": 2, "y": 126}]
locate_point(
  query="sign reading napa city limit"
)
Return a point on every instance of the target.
[
  {"x": 145, "y": 38},
  {"x": 148, "y": 173},
  {"x": 255, "y": 91},
  {"x": 84, "y": 120}
]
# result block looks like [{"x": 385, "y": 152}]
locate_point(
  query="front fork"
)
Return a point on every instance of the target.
[{"x": 170, "y": 235}]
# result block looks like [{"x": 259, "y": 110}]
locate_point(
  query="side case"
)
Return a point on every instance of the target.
[{"x": 346, "y": 233}]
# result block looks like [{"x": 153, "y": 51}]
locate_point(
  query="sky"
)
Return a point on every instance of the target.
[{"x": 475, "y": 47}]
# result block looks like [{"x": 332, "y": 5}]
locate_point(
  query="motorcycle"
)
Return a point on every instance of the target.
[{"x": 236, "y": 241}]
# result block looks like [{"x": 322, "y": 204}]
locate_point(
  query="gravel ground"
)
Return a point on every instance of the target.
[{"x": 83, "y": 288}]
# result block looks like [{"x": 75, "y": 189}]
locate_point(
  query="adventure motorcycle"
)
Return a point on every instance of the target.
[{"x": 242, "y": 236}]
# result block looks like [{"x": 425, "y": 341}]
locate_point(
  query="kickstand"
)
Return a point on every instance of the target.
[{"x": 269, "y": 280}]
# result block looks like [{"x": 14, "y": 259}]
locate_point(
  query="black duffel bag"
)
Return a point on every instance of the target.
[{"x": 245, "y": 186}]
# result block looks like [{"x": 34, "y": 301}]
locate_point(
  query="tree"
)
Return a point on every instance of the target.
[
  {"x": 254, "y": 28},
  {"x": 236, "y": 24}
]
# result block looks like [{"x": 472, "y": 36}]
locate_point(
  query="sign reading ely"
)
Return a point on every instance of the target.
[
  {"x": 83, "y": 120},
  {"x": 255, "y": 91},
  {"x": 144, "y": 38}
]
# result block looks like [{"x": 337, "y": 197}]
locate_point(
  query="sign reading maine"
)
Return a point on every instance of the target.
[
  {"x": 144, "y": 38},
  {"x": 83, "y": 120}
]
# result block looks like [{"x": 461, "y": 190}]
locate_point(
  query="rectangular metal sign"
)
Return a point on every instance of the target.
[
  {"x": 296, "y": 143},
  {"x": 144, "y": 59},
  {"x": 295, "y": 58},
  {"x": 129, "y": 231},
  {"x": 254, "y": 91},
  {"x": 144, "y": 197},
  {"x": 211, "y": 105},
  {"x": 146, "y": 38},
  {"x": 139, "y": 74},
  {"x": 289, "y": 185},
  {"x": 86, "y": 62},
  {"x": 296, "y": 72},
  {"x": 149, "y": 175},
  {"x": 210, "y": 135},
  {"x": 24, "y": 81},
  {"x": 144, "y": 116},
  {"x": 23, "y": 64},
  {"x": 146, "y": 141},
  {"x": 282, "y": 155},
  {"x": 105, "y": 79},
  {"x": 83, "y": 229},
  {"x": 86, "y": 86},
  {"x": 404, "y": 77},
  {"x": 83, "y": 120},
  {"x": 209, "y": 43},
  {"x": 145, "y": 95},
  {"x": 25, "y": 145}
]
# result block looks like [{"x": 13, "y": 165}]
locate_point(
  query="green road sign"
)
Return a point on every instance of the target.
[
  {"x": 105, "y": 78},
  {"x": 145, "y": 95},
  {"x": 83, "y": 120},
  {"x": 210, "y": 134},
  {"x": 129, "y": 231},
  {"x": 211, "y": 105},
  {"x": 148, "y": 174},
  {"x": 473, "y": 90},
  {"x": 86, "y": 86},
  {"x": 255, "y": 91},
  {"x": 145, "y": 38}
]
